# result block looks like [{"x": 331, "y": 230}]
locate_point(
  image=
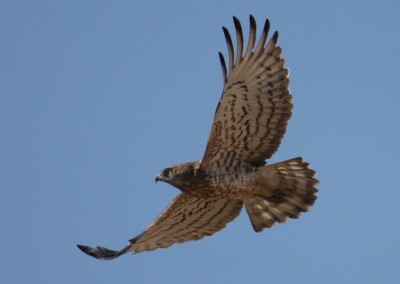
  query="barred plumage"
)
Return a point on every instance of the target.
[{"x": 249, "y": 124}]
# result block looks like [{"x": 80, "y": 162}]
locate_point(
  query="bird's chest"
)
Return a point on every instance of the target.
[{"x": 225, "y": 183}]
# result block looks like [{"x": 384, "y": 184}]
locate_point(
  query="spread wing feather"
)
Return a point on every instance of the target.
[
  {"x": 252, "y": 114},
  {"x": 186, "y": 218}
]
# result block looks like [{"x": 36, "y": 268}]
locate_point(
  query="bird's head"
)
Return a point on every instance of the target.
[{"x": 179, "y": 175}]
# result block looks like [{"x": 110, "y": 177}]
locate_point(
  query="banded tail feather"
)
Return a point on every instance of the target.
[{"x": 290, "y": 189}]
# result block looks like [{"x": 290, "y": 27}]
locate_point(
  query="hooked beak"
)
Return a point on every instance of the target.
[{"x": 159, "y": 177}]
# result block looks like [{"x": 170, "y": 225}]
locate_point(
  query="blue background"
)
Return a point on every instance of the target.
[{"x": 96, "y": 97}]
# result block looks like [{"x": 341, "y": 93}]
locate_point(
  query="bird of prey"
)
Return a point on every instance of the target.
[{"x": 249, "y": 124}]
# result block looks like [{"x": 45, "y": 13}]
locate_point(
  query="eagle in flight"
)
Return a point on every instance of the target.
[{"x": 249, "y": 123}]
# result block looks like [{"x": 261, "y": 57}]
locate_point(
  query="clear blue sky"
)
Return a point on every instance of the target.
[{"x": 96, "y": 97}]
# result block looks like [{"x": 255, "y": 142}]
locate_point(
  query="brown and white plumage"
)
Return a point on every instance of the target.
[
  {"x": 186, "y": 218},
  {"x": 249, "y": 124},
  {"x": 255, "y": 105},
  {"x": 290, "y": 190}
]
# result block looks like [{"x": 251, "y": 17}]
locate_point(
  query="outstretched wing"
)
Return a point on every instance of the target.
[
  {"x": 255, "y": 105},
  {"x": 186, "y": 218}
]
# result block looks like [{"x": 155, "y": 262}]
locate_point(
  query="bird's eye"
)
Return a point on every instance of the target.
[{"x": 168, "y": 172}]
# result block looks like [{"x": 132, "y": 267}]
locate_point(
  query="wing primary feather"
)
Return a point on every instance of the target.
[
  {"x": 252, "y": 114},
  {"x": 223, "y": 65},
  {"x": 274, "y": 38},
  {"x": 230, "y": 47},
  {"x": 102, "y": 252},
  {"x": 263, "y": 38},
  {"x": 239, "y": 40},
  {"x": 252, "y": 36}
]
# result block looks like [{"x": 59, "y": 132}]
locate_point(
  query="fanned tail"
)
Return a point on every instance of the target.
[{"x": 290, "y": 189}]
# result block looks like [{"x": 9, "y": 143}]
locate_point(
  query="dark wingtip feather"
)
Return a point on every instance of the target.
[
  {"x": 227, "y": 37},
  {"x": 238, "y": 26},
  {"x": 223, "y": 65},
  {"x": 275, "y": 37},
  {"x": 267, "y": 25},
  {"x": 99, "y": 252},
  {"x": 230, "y": 47},
  {"x": 239, "y": 39},
  {"x": 252, "y": 22},
  {"x": 226, "y": 33}
]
